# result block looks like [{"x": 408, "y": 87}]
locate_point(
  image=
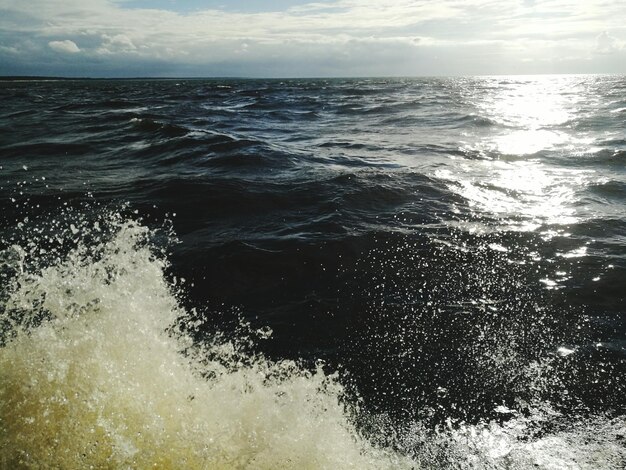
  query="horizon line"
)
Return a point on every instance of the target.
[{"x": 333, "y": 77}]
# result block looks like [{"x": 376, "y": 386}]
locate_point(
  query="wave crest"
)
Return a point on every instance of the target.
[{"x": 94, "y": 373}]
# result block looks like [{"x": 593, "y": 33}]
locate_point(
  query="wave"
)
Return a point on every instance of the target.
[
  {"x": 153, "y": 126},
  {"x": 100, "y": 365},
  {"x": 608, "y": 157},
  {"x": 95, "y": 372},
  {"x": 611, "y": 190},
  {"x": 474, "y": 120},
  {"x": 15, "y": 114},
  {"x": 45, "y": 149},
  {"x": 617, "y": 142}
]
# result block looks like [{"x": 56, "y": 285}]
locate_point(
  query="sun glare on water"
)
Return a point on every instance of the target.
[{"x": 514, "y": 179}]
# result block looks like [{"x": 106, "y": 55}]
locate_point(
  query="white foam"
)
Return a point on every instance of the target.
[
  {"x": 92, "y": 375},
  {"x": 102, "y": 384}
]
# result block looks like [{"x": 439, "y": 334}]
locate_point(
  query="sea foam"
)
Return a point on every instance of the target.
[{"x": 94, "y": 373}]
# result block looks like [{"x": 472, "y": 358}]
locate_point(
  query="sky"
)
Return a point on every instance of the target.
[{"x": 300, "y": 38}]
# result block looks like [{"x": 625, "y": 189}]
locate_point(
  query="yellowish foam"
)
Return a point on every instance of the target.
[{"x": 102, "y": 384}]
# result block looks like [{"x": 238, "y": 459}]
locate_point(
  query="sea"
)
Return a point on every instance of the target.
[{"x": 367, "y": 273}]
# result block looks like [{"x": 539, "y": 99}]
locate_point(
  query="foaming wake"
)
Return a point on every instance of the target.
[{"x": 92, "y": 375}]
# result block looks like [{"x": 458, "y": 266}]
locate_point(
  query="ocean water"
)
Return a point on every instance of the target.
[{"x": 313, "y": 274}]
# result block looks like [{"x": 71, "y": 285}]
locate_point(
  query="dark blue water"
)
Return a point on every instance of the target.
[{"x": 455, "y": 249}]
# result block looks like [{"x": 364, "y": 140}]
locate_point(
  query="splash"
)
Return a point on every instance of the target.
[
  {"x": 98, "y": 370},
  {"x": 523, "y": 443},
  {"x": 93, "y": 374}
]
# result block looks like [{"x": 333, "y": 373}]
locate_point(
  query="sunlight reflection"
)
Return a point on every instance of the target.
[
  {"x": 534, "y": 102},
  {"x": 527, "y": 142},
  {"x": 531, "y": 108},
  {"x": 524, "y": 189},
  {"x": 528, "y": 192}
]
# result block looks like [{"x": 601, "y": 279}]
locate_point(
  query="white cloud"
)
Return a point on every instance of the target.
[
  {"x": 503, "y": 32},
  {"x": 67, "y": 46},
  {"x": 9, "y": 49},
  {"x": 119, "y": 43},
  {"x": 607, "y": 43}
]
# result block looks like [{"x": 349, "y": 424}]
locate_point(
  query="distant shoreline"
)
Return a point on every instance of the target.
[
  {"x": 26, "y": 78},
  {"x": 37, "y": 78},
  {"x": 41, "y": 78}
]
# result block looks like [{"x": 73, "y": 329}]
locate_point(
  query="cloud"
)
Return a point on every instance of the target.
[
  {"x": 66, "y": 46},
  {"x": 119, "y": 43},
  {"x": 9, "y": 49},
  {"x": 413, "y": 33},
  {"x": 607, "y": 44}
]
